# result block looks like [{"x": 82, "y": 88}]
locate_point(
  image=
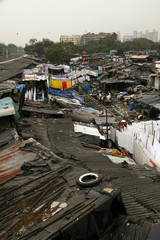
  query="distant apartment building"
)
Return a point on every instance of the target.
[
  {"x": 76, "y": 39},
  {"x": 82, "y": 39},
  {"x": 92, "y": 36},
  {"x": 130, "y": 37},
  {"x": 153, "y": 36}
]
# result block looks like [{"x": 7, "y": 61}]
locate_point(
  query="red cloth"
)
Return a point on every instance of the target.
[{"x": 64, "y": 84}]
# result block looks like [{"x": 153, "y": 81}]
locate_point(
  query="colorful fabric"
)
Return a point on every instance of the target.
[
  {"x": 60, "y": 84},
  {"x": 69, "y": 84}
]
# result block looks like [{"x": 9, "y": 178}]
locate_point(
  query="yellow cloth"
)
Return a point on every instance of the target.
[
  {"x": 55, "y": 83},
  {"x": 117, "y": 153},
  {"x": 58, "y": 83},
  {"x": 69, "y": 84}
]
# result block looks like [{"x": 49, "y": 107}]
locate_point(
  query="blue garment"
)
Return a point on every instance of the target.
[
  {"x": 86, "y": 89},
  {"x": 21, "y": 87}
]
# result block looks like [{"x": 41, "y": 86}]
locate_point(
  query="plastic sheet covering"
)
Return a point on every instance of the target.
[
  {"x": 88, "y": 130},
  {"x": 6, "y": 107},
  {"x": 137, "y": 231},
  {"x": 64, "y": 94},
  {"x": 76, "y": 96},
  {"x": 154, "y": 233},
  {"x": 90, "y": 110}
]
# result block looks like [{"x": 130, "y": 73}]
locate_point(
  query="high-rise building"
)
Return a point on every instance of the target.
[
  {"x": 119, "y": 35},
  {"x": 135, "y": 34},
  {"x": 153, "y": 36}
]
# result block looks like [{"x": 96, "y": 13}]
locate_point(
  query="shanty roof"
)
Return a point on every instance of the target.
[
  {"x": 149, "y": 99},
  {"x": 117, "y": 81},
  {"x": 12, "y": 159},
  {"x": 8, "y": 138},
  {"x": 7, "y": 87},
  {"x": 48, "y": 198},
  {"x": 14, "y": 67},
  {"x": 43, "y": 109}
]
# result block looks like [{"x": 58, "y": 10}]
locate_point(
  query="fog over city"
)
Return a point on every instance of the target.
[{"x": 21, "y": 20}]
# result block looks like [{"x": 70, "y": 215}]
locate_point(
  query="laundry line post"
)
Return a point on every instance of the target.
[{"x": 107, "y": 129}]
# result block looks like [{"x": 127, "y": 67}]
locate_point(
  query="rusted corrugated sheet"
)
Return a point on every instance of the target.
[{"x": 12, "y": 159}]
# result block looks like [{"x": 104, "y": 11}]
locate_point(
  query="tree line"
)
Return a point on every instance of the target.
[{"x": 61, "y": 52}]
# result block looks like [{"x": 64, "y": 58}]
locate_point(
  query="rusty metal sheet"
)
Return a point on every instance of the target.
[{"x": 12, "y": 159}]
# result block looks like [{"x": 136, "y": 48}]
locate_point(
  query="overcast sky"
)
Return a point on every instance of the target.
[{"x": 21, "y": 20}]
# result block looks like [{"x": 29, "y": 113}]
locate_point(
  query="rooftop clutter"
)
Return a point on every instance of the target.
[{"x": 73, "y": 134}]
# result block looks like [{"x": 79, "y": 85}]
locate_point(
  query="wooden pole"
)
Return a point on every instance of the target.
[{"x": 107, "y": 129}]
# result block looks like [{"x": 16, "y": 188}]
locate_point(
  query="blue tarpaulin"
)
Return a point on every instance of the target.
[
  {"x": 66, "y": 94},
  {"x": 59, "y": 93}
]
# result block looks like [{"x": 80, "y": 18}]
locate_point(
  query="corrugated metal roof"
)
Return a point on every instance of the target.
[
  {"x": 12, "y": 159},
  {"x": 15, "y": 67},
  {"x": 6, "y": 87},
  {"x": 116, "y": 81}
]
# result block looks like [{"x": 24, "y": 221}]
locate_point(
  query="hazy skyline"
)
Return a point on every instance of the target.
[{"x": 21, "y": 20}]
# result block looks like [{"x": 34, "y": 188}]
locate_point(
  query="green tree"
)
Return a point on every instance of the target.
[
  {"x": 38, "y": 46},
  {"x": 138, "y": 44},
  {"x": 104, "y": 45},
  {"x": 61, "y": 52},
  {"x": 47, "y": 42},
  {"x": 32, "y": 41},
  {"x": 28, "y": 48},
  {"x": 158, "y": 48},
  {"x": 92, "y": 47}
]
